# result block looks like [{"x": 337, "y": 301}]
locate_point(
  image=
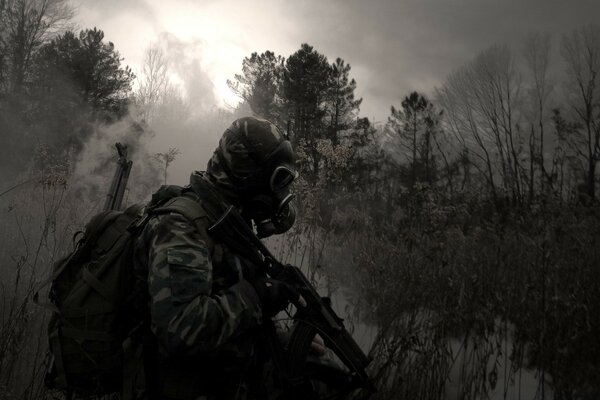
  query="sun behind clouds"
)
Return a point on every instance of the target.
[{"x": 223, "y": 42}]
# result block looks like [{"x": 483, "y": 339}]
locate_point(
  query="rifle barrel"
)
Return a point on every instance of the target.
[{"x": 114, "y": 197}]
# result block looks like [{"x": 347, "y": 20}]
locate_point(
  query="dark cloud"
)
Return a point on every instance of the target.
[
  {"x": 400, "y": 46},
  {"x": 394, "y": 46}
]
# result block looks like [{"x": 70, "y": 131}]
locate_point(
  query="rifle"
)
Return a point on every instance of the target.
[
  {"x": 114, "y": 198},
  {"x": 316, "y": 317}
]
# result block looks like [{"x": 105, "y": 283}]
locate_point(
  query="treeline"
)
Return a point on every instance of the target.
[
  {"x": 470, "y": 216},
  {"x": 56, "y": 85},
  {"x": 518, "y": 125},
  {"x": 311, "y": 99},
  {"x": 466, "y": 225}
]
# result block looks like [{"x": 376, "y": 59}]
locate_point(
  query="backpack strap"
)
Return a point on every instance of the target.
[
  {"x": 195, "y": 212},
  {"x": 191, "y": 210},
  {"x": 96, "y": 226},
  {"x": 185, "y": 206}
]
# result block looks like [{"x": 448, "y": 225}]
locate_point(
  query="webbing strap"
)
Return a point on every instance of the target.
[
  {"x": 185, "y": 206},
  {"x": 98, "y": 224},
  {"x": 190, "y": 209},
  {"x": 55, "y": 274},
  {"x": 101, "y": 221},
  {"x": 98, "y": 286},
  {"x": 61, "y": 377},
  {"x": 47, "y": 305},
  {"x": 78, "y": 312},
  {"x": 134, "y": 379},
  {"x": 82, "y": 334},
  {"x": 95, "y": 229}
]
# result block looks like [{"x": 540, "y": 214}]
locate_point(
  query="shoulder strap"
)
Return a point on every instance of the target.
[
  {"x": 190, "y": 209},
  {"x": 185, "y": 206},
  {"x": 96, "y": 226}
]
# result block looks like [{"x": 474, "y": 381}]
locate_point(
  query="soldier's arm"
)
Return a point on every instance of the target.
[{"x": 185, "y": 316}]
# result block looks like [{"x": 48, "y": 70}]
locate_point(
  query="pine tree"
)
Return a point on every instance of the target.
[
  {"x": 79, "y": 81},
  {"x": 260, "y": 84},
  {"x": 343, "y": 107},
  {"x": 415, "y": 124}
]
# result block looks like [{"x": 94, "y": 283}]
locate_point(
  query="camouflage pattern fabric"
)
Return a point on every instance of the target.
[
  {"x": 204, "y": 315},
  {"x": 188, "y": 315},
  {"x": 247, "y": 143},
  {"x": 243, "y": 146}
]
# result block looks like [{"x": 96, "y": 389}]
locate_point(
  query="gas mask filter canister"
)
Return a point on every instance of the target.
[{"x": 272, "y": 214}]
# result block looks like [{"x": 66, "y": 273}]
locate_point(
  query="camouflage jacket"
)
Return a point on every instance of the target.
[{"x": 203, "y": 314}]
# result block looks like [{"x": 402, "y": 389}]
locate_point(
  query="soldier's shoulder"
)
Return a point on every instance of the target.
[{"x": 179, "y": 220}]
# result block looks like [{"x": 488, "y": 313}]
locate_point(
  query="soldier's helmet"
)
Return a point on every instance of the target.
[{"x": 257, "y": 162}]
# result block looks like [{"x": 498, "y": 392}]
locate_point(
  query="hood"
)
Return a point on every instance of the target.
[{"x": 218, "y": 185}]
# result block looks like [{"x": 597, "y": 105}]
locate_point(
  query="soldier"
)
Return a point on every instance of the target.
[{"x": 205, "y": 315}]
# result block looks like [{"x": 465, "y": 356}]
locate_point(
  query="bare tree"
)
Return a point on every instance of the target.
[
  {"x": 174, "y": 106},
  {"x": 460, "y": 121},
  {"x": 581, "y": 51},
  {"x": 536, "y": 51},
  {"x": 480, "y": 101},
  {"x": 160, "y": 102},
  {"x": 154, "y": 82},
  {"x": 166, "y": 159}
]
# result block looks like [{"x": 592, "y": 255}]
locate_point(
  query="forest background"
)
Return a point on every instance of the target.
[{"x": 463, "y": 232}]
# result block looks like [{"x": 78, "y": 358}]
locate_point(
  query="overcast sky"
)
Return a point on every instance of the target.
[{"x": 394, "y": 47}]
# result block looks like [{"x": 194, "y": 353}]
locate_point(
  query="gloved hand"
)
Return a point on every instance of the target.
[
  {"x": 274, "y": 295},
  {"x": 285, "y": 273}
]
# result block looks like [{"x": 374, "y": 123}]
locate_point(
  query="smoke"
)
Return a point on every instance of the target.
[
  {"x": 188, "y": 116},
  {"x": 185, "y": 62},
  {"x": 185, "y": 117},
  {"x": 95, "y": 164}
]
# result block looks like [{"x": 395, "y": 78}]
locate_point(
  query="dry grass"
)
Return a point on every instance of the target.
[{"x": 517, "y": 290}]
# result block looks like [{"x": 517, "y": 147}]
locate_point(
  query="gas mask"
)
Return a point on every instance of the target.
[
  {"x": 259, "y": 165},
  {"x": 271, "y": 210}
]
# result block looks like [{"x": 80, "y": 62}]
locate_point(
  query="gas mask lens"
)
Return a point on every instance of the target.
[
  {"x": 282, "y": 177},
  {"x": 271, "y": 214}
]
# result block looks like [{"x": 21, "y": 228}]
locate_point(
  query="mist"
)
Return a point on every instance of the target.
[{"x": 448, "y": 193}]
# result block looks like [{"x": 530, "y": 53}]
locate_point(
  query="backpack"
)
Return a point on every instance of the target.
[
  {"x": 95, "y": 300},
  {"x": 92, "y": 302}
]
